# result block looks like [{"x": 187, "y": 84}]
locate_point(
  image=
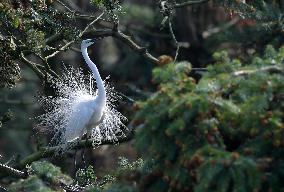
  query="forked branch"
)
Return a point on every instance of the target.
[{"x": 125, "y": 39}]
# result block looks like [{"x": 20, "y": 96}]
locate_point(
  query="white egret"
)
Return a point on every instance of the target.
[{"x": 78, "y": 110}]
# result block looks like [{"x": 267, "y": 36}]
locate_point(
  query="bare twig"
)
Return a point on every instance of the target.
[
  {"x": 141, "y": 50},
  {"x": 15, "y": 102},
  {"x": 167, "y": 11},
  {"x": 270, "y": 69},
  {"x": 77, "y": 14},
  {"x": 219, "y": 29},
  {"x": 66, "y": 46},
  {"x": 90, "y": 24},
  {"x": 65, "y": 6},
  {"x": 63, "y": 48},
  {"x": 198, "y": 69},
  {"x": 5, "y": 169},
  {"x": 3, "y": 188},
  {"x": 174, "y": 38},
  {"x": 33, "y": 66},
  {"x": 47, "y": 66},
  {"x": 187, "y": 3}
]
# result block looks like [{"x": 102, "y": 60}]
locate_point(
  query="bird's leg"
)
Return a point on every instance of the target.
[
  {"x": 76, "y": 149},
  {"x": 84, "y": 160}
]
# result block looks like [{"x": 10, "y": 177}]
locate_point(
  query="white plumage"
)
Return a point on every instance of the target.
[
  {"x": 78, "y": 109},
  {"x": 87, "y": 110}
]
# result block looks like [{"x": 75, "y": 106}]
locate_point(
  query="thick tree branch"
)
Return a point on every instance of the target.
[
  {"x": 51, "y": 151},
  {"x": 187, "y": 3}
]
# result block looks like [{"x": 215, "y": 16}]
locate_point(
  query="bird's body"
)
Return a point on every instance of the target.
[
  {"x": 87, "y": 111},
  {"x": 83, "y": 117}
]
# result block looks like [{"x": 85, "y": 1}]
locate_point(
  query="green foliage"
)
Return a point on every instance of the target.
[
  {"x": 49, "y": 173},
  {"x": 98, "y": 2},
  {"x": 222, "y": 171},
  {"x": 9, "y": 69},
  {"x": 32, "y": 184},
  {"x": 259, "y": 10},
  {"x": 127, "y": 174},
  {"x": 86, "y": 177},
  {"x": 221, "y": 132},
  {"x": 261, "y": 23},
  {"x": 134, "y": 13},
  {"x": 112, "y": 8},
  {"x": 7, "y": 116},
  {"x": 43, "y": 177},
  {"x": 35, "y": 40},
  {"x": 124, "y": 164},
  {"x": 108, "y": 182},
  {"x": 217, "y": 134},
  {"x": 25, "y": 27},
  {"x": 29, "y": 22}
]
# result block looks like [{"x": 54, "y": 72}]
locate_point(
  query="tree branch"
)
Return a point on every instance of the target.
[
  {"x": 187, "y": 3},
  {"x": 50, "y": 151},
  {"x": 5, "y": 169},
  {"x": 53, "y": 38},
  {"x": 66, "y": 46},
  {"x": 63, "y": 48},
  {"x": 15, "y": 102},
  {"x": 32, "y": 65},
  {"x": 174, "y": 38},
  {"x": 125, "y": 39},
  {"x": 3, "y": 188},
  {"x": 270, "y": 69},
  {"x": 76, "y": 13}
]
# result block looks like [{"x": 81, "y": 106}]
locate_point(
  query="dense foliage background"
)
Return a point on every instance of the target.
[{"x": 202, "y": 85}]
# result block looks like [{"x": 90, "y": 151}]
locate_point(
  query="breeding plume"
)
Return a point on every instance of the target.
[{"x": 79, "y": 109}]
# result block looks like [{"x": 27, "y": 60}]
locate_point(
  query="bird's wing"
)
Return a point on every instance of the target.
[{"x": 78, "y": 121}]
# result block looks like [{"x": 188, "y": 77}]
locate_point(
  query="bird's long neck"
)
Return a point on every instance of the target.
[{"x": 101, "y": 89}]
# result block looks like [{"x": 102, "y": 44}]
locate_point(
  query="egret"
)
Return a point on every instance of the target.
[{"x": 78, "y": 110}]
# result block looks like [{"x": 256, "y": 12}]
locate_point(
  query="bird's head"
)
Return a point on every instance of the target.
[{"x": 86, "y": 43}]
